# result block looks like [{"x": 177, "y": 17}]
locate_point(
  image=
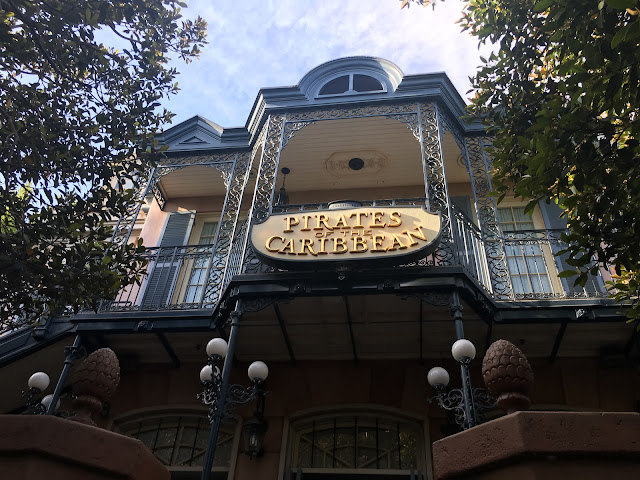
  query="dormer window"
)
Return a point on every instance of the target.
[
  {"x": 336, "y": 86},
  {"x": 365, "y": 83},
  {"x": 351, "y": 84}
]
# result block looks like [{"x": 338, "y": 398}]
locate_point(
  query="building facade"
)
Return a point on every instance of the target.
[{"x": 349, "y": 334}]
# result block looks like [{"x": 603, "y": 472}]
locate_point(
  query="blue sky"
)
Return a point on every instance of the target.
[{"x": 269, "y": 43}]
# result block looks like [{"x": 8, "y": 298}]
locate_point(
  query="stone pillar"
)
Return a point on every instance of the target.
[
  {"x": 44, "y": 447},
  {"x": 543, "y": 446},
  {"x": 537, "y": 445}
]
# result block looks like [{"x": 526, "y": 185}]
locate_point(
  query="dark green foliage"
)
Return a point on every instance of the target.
[
  {"x": 561, "y": 95},
  {"x": 78, "y": 120}
]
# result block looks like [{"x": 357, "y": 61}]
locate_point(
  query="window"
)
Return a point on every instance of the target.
[
  {"x": 356, "y": 446},
  {"x": 352, "y": 84},
  {"x": 365, "y": 83},
  {"x": 335, "y": 86},
  {"x": 196, "y": 267},
  {"x": 180, "y": 443},
  {"x": 197, "y": 276},
  {"x": 525, "y": 256}
]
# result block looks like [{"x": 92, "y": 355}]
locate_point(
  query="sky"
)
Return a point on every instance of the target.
[{"x": 271, "y": 43}]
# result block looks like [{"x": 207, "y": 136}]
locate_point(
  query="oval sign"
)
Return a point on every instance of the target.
[{"x": 376, "y": 234}]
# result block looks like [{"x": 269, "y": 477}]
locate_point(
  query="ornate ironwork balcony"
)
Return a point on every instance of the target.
[
  {"x": 189, "y": 277},
  {"x": 306, "y": 207},
  {"x": 534, "y": 266},
  {"x": 470, "y": 251},
  {"x": 179, "y": 277}
]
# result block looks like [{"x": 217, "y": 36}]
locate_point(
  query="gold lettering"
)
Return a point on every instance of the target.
[
  {"x": 322, "y": 241},
  {"x": 396, "y": 241},
  {"x": 359, "y": 245},
  {"x": 355, "y": 233},
  {"x": 322, "y": 219},
  {"x": 377, "y": 244},
  {"x": 419, "y": 235},
  {"x": 367, "y": 233},
  {"x": 306, "y": 223},
  {"x": 395, "y": 217},
  {"x": 307, "y": 244},
  {"x": 290, "y": 221},
  {"x": 289, "y": 246},
  {"x": 271, "y": 239},
  {"x": 359, "y": 216},
  {"x": 339, "y": 242},
  {"x": 377, "y": 218},
  {"x": 342, "y": 221}
]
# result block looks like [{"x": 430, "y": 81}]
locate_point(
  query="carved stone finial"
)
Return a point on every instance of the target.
[
  {"x": 508, "y": 376},
  {"x": 93, "y": 383}
]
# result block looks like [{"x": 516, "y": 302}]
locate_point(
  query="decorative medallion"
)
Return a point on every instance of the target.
[{"x": 361, "y": 162}]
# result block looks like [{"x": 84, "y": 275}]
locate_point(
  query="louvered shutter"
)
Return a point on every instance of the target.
[
  {"x": 166, "y": 265},
  {"x": 553, "y": 220}
]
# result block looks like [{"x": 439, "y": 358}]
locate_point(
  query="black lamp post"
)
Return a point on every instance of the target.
[
  {"x": 222, "y": 399},
  {"x": 467, "y": 402},
  {"x": 39, "y": 382}
]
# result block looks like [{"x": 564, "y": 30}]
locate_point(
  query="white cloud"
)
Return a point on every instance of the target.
[{"x": 268, "y": 43}]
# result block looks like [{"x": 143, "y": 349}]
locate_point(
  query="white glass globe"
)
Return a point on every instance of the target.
[
  {"x": 46, "y": 401},
  {"x": 438, "y": 377},
  {"x": 463, "y": 349},
  {"x": 258, "y": 371},
  {"x": 217, "y": 346},
  {"x": 39, "y": 380},
  {"x": 206, "y": 374}
]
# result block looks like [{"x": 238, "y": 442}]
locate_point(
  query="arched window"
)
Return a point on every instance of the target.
[
  {"x": 335, "y": 86},
  {"x": 351, "y": 84},
  {"x": 365, "y": 83},
  {"x": 180, "y": 441},
  {"x": 358, "y": 446}
]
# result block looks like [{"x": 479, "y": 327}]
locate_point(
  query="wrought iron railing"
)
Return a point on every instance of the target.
[
  {"x": 467, "y": 238},
  {"x": 534, "y": 262},
  {"x": 394, "y": 202},
  {"x": 184, "y": 277},
  {"x": 470, "y": 252},
  {"x": 176, "y": 278},
  {"x": 234, "y": 263}
]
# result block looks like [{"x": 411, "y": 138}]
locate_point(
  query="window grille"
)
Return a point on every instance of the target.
[
  {"x": 356, "y": 444},
  {"x": 181, "y": 441}
]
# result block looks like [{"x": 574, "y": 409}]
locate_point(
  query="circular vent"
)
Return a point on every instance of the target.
[{"x": 356, "y": 163}]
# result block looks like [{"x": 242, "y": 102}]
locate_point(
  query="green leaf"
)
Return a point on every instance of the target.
[
  {"x": 621, "y": 35},
  {"x": 542, "y": 5},
  {"x": 622, "y": 4},
  {"x": 567, "y": 273}
]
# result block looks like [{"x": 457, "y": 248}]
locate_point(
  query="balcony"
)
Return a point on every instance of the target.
[
  {"x": 534, "y": 266},
  {"x": 176, "y": 279},
  {"x": 187, "y": 277}
]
